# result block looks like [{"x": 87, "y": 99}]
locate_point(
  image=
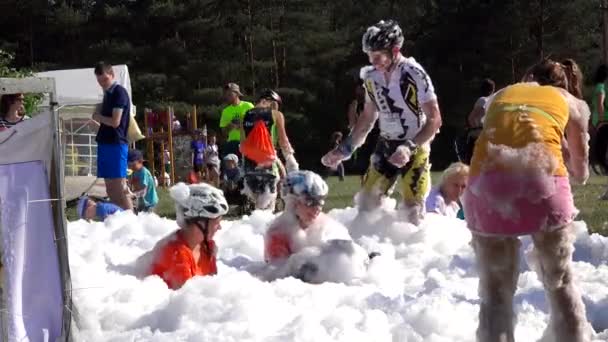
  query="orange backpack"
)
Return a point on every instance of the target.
[{"x": 258, "y": 145}]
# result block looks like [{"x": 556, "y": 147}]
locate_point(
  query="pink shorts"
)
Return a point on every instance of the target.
[{"x": 501, "y": 204}]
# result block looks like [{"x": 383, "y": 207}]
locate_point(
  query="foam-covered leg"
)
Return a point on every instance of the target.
[
  {"x": 497, "y": 262},
  {"x": 414, "y": 212},
  {"x": 553, "y": 250},
  {"x": 368, "y": 200}
]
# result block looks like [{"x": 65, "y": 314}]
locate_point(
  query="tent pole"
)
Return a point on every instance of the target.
[
  {"x": 56, "y": 192},
  {"x": 149, "y": 141}
]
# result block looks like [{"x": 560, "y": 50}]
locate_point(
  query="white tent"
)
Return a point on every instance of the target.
[
  {"x": 76, "y": 87},
  {"x": 35, "y": 284},
  {"x": 77, "y": 95}
]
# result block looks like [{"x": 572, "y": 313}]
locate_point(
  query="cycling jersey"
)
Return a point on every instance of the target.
[{"x": 399, "y": 102}]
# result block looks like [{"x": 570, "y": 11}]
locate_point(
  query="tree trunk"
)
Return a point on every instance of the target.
[
  {"x": 274, "y": 70},
  {"x": 512, "y": 58},
  {"x": 284, "y": 45},
  {"x": 250, "y": 46},
  {"x": 541, "y": 29}
]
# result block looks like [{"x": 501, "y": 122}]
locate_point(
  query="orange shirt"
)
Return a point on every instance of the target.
[
  {"x": 175, "y": 263},
  {"x": 277, "y": 246}
]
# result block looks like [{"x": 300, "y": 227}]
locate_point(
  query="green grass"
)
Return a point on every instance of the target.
[{"x": 593, "y": 211}]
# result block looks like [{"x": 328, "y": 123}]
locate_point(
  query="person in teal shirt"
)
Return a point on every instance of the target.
[
  {"x": 232, "y": 117},
  {"x": 142, "y": 182},
  {"x": 598, "y": 108}
]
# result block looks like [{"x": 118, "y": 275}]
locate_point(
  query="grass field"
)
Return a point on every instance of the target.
[{"x": 592, "y": 210}]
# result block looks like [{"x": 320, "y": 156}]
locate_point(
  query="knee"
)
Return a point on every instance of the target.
[{"x": 554, "y": 252}]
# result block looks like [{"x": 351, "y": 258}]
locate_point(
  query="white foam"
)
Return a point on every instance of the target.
[{"x": 423, "y": 286}]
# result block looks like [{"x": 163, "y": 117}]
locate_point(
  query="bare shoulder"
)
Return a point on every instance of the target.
[{"x": 579, "y": 109}]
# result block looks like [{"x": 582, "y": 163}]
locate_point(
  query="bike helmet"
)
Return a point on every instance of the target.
[
  {"x": 198, "y": 201},
  {"x": 232, "y": 157},
  {"x": 269, "y": 94},
  {"x": 305, "y": 185},
  {"x": 384, "y": 35}
]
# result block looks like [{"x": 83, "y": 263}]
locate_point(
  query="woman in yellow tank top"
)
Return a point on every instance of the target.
[{"x": 534, "y": 138}]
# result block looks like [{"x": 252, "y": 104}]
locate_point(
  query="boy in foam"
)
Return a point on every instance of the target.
[
  {"x": 444, "y": 198},
  {"x": 302, "y": 224},
  {"x": 191, "y": 250},
  {"x": 534, "y": 137},
  {"x": 88, "y": 209}
]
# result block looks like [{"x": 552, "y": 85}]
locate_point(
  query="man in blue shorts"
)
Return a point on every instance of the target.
[{"x": 112, "y": 143}]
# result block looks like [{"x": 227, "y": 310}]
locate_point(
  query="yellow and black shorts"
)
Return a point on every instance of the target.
[{"x": 415, "y": 176}]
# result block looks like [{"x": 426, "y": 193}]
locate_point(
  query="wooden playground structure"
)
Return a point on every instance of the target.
[{"x": 164, "y": 136}]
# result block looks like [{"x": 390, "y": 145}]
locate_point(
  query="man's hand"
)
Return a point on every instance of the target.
[
  {"x": 401, "y": 156},
  {"x": 333, "y": 158}
]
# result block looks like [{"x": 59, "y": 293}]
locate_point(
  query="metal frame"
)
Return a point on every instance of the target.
[{"x": 47, "y": 85}]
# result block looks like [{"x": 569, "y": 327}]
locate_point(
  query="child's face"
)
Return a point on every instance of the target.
[
  {"x": 212, "y": 140},
  {"x": 230, "y": 164},
  {"x": 136, "y": 165}
]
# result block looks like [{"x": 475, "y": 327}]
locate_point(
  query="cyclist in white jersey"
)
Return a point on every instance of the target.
[{"x": 400, "y": 94}]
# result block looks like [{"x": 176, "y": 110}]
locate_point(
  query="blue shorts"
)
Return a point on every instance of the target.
[{"x": 112, "y": 160}]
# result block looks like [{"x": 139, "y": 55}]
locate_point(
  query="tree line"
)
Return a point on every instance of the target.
[{"x": 180, "y": 53}]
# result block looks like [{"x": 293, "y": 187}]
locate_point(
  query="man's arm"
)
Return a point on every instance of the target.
[
  {"x": 363, "y": 125},
  {"x": 432, "y": 125},
  {"x": 113, "y": 121},
  {"x": 352, "y": 114},
  {"x": 284, "y": 143},
  {"x": 225, "y": 126}
]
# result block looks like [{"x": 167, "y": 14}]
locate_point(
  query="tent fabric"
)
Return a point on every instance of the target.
[
  {"x": 80, "y": 87},
  {"x": 28, "y": 141},
  {"x": 32, "y": 286}
]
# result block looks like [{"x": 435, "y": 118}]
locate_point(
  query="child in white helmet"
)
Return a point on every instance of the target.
[
  {"x": 302, "y": 224},
  {"x": 191, "y": 250}
]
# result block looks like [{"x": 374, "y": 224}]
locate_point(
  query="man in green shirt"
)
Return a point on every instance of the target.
[{"x": 232, "y": 116}]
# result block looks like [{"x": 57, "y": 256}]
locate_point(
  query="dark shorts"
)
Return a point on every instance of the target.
[{"x": 112, "y": 160}]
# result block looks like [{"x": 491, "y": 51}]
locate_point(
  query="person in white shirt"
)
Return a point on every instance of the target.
[
  {"x": 444, "y": 198},
  {"x": 475, "y": 118}
]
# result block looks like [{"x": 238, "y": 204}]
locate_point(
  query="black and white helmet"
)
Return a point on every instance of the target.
[
  {"x": 384, "y": 35},
  {"x": 198, "y": 201},
  {"x": 271, "y": 95}
]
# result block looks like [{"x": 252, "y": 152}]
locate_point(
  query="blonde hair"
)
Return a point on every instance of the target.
[{"x": 455, "y": 169}]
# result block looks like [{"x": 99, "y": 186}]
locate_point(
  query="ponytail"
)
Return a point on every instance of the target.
[{"x": 574, "y": 77}]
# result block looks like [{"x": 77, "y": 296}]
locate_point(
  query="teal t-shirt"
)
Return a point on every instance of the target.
[
  {"x": 234, "y": 114},
  {"x": 146, "y": 180}
]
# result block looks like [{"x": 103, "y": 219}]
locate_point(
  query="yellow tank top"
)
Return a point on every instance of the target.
[{"x": 523, "y": 114}]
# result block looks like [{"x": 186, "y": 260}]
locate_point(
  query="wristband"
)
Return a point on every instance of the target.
[
  {"x": 346, "y": 146},
  {"x": 410, "y": 144}
]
